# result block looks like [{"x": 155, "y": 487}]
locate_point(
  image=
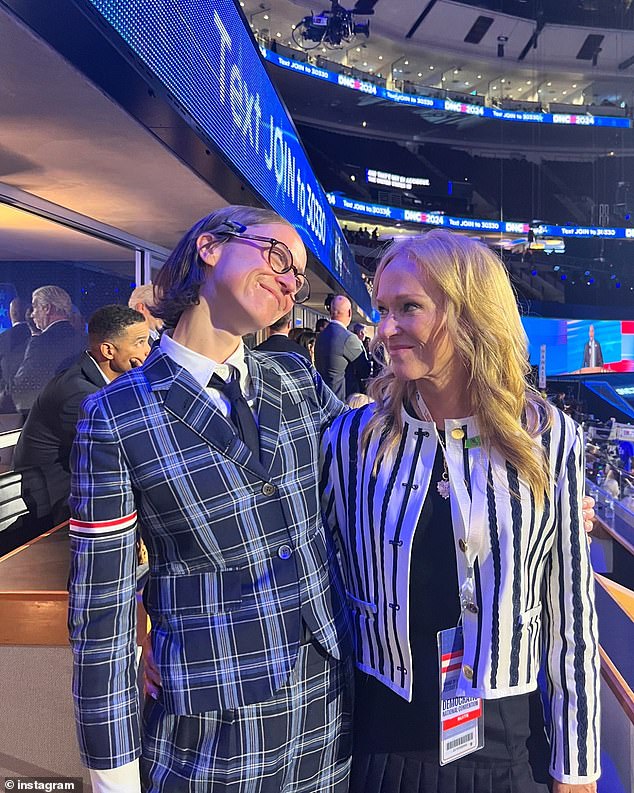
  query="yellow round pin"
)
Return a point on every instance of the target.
[{"x": 457, "y": 434}]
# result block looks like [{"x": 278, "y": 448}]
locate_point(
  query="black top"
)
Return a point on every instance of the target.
[{"x": 384, "y": 721}]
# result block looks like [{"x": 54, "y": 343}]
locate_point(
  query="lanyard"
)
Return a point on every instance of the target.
[{"x": 471, "y": 510}]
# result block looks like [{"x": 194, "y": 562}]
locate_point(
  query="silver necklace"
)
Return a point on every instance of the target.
[{"x": 442, "y": 485}]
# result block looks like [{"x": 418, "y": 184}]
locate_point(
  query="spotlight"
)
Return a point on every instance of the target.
[{"x": 501, "y": 42}]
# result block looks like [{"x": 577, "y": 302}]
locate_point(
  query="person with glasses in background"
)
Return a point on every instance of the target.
[{"x": 211, "y": 450}]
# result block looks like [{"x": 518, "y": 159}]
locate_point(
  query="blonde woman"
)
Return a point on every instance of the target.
[{"x": 457, "y": 499}]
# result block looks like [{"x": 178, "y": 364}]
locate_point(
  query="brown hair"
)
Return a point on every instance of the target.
[{"x": 177, "y": 285}]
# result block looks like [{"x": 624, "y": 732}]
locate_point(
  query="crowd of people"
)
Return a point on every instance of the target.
[
  {"x": 313, "y": 564},
  {"x": 362, "y": 236}
]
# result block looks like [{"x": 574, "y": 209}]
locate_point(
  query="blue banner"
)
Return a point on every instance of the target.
[
  {"x": 450, "y": 105},
  {"x": 207, "y": 61},
  {"x": 382, "y": 212}
]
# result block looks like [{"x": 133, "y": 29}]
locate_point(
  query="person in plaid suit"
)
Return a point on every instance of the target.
[{"x": 210, "y": 451}]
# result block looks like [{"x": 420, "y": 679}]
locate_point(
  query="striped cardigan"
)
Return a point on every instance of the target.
[{"x": 532, "y": 581}]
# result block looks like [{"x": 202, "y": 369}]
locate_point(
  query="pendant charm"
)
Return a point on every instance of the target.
[{"x": 442, "y": 486}]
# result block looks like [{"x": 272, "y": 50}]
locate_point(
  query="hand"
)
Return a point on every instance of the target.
[
  {"x": 588, "y": 513},
  {"x": 564, "y": 787},
  {"x": 151, "y": 675}
]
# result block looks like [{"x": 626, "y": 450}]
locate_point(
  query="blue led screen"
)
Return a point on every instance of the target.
[
  {"x": 565, "y": 340},
  {"x": 474, "y": 224},
  {"x": 207, "y": 61},
  {"x": 449, "y": 105}
]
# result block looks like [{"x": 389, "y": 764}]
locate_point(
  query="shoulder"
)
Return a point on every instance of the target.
[
  {"x": 121, "y": 394},
  {"x": 284, "y": 363},
  {"x": 352, "y": 421}
]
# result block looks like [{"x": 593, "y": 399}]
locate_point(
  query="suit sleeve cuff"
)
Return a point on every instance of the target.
[{"x": 124, "y": 779}]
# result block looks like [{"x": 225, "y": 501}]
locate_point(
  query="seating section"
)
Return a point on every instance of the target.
[{"x": 514, "y": 188}]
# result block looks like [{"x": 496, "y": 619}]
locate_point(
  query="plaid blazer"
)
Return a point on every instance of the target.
[{"x": 237, "y": 550}]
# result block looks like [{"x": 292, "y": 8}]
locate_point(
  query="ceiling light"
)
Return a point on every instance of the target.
[
  {"x": 574, "y": 85},
  {"x": 549, "y": 84},
  {"x": 456, "y": 71},
  {"x": 365, "y": 63},
  {"x": 364, "y": 123},
  {"x": 358, "y": 49},
  {"x": 564, "y": 92},
  {"x": 529, "y": 82},
  {"x": 494, "y": 88},
  {"x": 278, "y": 34},
  {"x": 353, "y": 178},
  {"x": 432, "y": 68},
  {"x": 406, "y": 63},
  {"x": 420, "y": 74},
  {"x": 479, "y": 77},
  {"x": 466, "y": 83},
  {"x": 266, "y": 16},
  {"x": 380, "y": 57},
  {"x": 503, "y": 80},
  {"x": 293, "y": 27}
]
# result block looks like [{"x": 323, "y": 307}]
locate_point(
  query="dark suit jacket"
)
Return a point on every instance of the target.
[
  {"x": 13, "y": 344},
  {"x": 598, "y": 354},
  {"x": 280, "y": 343},
  {"x": 46, "y": 355},
  {"x": 49, "y": 431},
  {"x": 340, "y": 358}
]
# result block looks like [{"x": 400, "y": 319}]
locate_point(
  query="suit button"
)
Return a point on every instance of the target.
[
  {"x": 268, "y": 489},
  {"x": 462, "y": 545},
  {"x": 285, "y": 551},
  {"x": 472, "y": 608},
  {"x": 467, "y": 671}
]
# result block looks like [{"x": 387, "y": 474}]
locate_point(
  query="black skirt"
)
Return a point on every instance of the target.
[{"x": 514, "y": 758}]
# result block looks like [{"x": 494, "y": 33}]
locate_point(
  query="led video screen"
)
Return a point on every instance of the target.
[{"x": 581, "y": 346}]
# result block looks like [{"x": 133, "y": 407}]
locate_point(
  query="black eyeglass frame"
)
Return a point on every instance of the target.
[{"x": 300, "y": 278}]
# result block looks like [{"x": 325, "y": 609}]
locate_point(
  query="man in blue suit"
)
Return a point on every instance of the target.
[
  {"x": 340, "y": 357},
  {"x": 210, "y": 451}
]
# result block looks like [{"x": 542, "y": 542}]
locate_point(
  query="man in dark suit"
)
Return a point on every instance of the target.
[
  {"x": 340, "y": 357},
  {"x": 592, "y": 353},
  {"x": 278, "y": 340},
  {"x": 211, "y": 450},
  {"x": 55, "y": 349},
  {"x": 12, "y": 348},
  {"x": 118, "y": 338}
]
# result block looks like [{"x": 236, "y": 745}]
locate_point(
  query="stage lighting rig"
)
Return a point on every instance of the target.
[{"x": 332, "y": 28}]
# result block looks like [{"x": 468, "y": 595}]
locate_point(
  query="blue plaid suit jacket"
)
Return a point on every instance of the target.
[{"x": 237, "y": 550}]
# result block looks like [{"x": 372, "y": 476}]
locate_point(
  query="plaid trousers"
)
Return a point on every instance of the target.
[{"x": 299, "y": 741}]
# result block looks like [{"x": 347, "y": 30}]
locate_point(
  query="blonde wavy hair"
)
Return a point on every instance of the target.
[{"x": 483, "y": 322}]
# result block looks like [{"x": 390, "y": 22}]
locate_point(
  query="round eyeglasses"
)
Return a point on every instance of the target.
[{"x": 280, "y": 260}]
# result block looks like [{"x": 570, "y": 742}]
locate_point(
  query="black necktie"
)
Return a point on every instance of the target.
[{"x": 241, "y": 414}]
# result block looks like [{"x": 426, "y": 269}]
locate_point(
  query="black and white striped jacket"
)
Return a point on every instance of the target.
[{"x": 532, "y": 580}]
